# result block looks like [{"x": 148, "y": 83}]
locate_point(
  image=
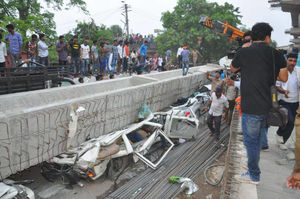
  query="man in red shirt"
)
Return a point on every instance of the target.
[{"x": 125, "y": 58}]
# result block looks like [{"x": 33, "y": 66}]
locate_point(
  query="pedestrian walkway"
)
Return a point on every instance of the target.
[
  {"x": 276, "y": 165},
  {"x": 276, "y": 168}
]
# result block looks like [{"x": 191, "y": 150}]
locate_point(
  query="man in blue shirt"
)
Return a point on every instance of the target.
[
  {"x": 14, "y": 39},
  {"x": 185, "y": 60},
  {"x": 115, "y": 53},
  {"x": 143, "y": 52}
]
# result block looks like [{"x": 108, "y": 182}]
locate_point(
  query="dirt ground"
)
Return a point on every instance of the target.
[{"x": 205, "y": 191}]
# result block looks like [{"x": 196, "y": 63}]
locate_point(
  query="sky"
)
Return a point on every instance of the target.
[{"x": 145, "y": 15}]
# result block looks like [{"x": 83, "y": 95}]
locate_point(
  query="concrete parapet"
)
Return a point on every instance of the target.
[{"x": 34, "y": 125}]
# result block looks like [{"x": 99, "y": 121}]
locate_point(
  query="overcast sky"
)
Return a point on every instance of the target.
[{"x": 145, "y": 15}]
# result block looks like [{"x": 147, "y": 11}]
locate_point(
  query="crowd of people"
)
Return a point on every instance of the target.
[
  {"x": 101, "y": 58},
  {"x": 260, "y": 68}
]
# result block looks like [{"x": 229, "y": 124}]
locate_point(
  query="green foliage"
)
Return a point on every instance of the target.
[
  {"x": 92, "y": 32},
  {"x": 273, "y": 44},
  {"x": 116, "y": 30},
  {"x": 181, "y": 27},
  {"x": 29, "y": 16}
]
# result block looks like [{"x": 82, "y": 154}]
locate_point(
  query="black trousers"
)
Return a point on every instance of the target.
[
  {"x": 2, "y": 68},
  {"x": 215, "y": 130},
  {"x": 179, "y": 60},
  {"x": 286, "y": 131}
]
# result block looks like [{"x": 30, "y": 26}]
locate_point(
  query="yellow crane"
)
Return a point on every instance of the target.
[{"x": 223, "y": 28}]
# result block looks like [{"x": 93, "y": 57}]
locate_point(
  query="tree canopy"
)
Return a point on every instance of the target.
[
  {"x": 116, "y": 30},
  {"x": 181, "y": 27},
  {"x": 31, "y": 15}
]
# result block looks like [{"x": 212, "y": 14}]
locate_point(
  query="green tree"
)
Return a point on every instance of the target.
[
  {"x": 30, "y": 15},
  {"x": 116, "y": 30},
  {"x": 92, "y": 32},
  {"x": 181, "y": 27}
]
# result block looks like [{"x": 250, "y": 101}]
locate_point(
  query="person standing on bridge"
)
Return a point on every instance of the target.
[
  {"x": 75, "y": 54},
  {"x": 169, "y": 56},
  {"x": 143, "y": 52},
  {"x": 85, "y": 57},
  {"x": 179, "y": 56},
  {"x": 195, "y": 56},
  {"x": 218, "y": 101},
  {"x": 185, "y": 60},
  {"x": 115, "y": 57},
  {"x": 62, "y": 51},
  {"x": 43, "y": 50},
  {"x": 31, "y": 50},
  {"x": 126, "y": 57},
  {"x": 3, "y": 56},
  {"x": 15, "y": 42},
  {"x": 95, "y": 57},
  {"x": 256, "y": 66},
  {"x": 121, "y": 55},
  {"x": 107, "y": 50}
]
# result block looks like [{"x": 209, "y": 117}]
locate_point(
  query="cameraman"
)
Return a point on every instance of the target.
[
  {"x": 256, "y": 66},
  {"x": 247, "y": 39}
]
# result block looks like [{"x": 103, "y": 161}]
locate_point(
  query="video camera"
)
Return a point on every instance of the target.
[{"x": 241, "y": 42}]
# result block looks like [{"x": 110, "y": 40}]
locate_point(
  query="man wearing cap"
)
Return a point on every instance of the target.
[
  {"x": 185, "y": 60},
  {"x": 218, "y": 101}
]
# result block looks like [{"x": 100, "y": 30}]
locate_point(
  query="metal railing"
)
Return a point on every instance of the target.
[{"x": 24, "y": 78}]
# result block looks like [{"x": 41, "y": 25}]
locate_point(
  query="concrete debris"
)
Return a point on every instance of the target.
[
  {"x": 74, "y": 111},
  {"x": 11, "y": 190}
]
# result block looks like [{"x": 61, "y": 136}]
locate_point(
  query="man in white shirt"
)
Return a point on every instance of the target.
[
  {"x": 289, "y": 92},
  {"x": 85, "y": 57},
  {"x": 3, "y": 56},
  {"x": 218, "y": 102},
  {"x": 121, "y": 55},
  {"x": 43, "y": 50},
  {"x": 179, "y": 56}
]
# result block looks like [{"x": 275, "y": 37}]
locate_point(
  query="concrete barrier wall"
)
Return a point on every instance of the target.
[{"x": 34, "y": 125}]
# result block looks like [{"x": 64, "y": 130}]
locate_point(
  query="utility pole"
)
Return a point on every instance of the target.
[
  {"x": 125, "y": 14},
  {"x": 126, "y": 18}
]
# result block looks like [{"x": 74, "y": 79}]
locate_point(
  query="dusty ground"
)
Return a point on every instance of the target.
[{"x": 205, "y": 191}]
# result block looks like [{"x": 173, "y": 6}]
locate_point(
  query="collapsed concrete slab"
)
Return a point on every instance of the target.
[{"x": 34, "y": 126}]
